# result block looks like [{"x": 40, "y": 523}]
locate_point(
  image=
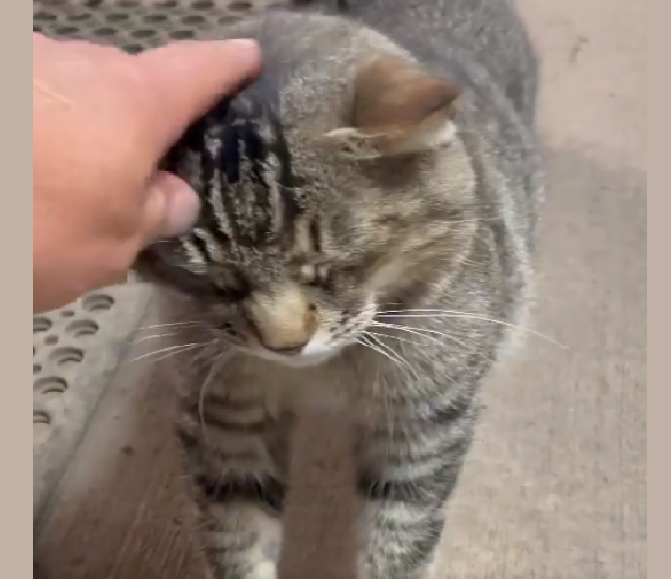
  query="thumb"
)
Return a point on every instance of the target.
[{"x": 171, "y": 208}]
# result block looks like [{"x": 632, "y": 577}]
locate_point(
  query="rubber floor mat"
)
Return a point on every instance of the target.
[
  {"x": 135, "y": 25},
  {"x": 76, "y": 351}
]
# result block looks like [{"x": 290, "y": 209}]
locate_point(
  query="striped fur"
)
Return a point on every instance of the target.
[{"x": 327, "y": 273}]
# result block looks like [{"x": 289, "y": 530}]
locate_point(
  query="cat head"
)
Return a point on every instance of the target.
[{"x": 332, "y": 187}]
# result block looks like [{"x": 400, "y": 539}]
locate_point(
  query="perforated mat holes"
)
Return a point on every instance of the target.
[
  {"x": 136, "y": 25},
  {"x": 240, "y": 6},
  {"x": 97, "y": 302},
  {"x": 59, "y": 347}
]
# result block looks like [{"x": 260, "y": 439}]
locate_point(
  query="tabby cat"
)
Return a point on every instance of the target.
[{"x": 365, "y": 246}]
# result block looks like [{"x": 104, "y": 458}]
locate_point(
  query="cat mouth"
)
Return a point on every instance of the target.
[{"x": 313, "y": 353}]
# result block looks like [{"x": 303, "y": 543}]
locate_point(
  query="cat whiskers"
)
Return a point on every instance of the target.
[
  {"x": 154, "y": 336},
  {"x": 172, "y": 351},
  {"x": 398, "y": 338},
  {"x": 170, "y": 325},
  {"x": 175, "y": 325},
  {"x": 414, "y": 343},
  {"x": 425, "y": 333},
  {"x": 432, "y": 314},
  {"x": 381, "y": 348}
]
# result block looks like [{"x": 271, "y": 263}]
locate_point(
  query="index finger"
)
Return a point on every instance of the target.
[{"x": 187, "y": 78}]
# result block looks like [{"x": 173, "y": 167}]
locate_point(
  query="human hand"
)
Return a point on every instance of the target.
[{"x": 102, "y": 121}]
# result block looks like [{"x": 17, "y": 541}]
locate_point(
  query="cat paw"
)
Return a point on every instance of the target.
[{"x": 266, "y": 570}]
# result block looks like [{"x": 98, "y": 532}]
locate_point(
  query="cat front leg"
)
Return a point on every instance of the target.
[
  {"x": 239, "y": 492},
  {"x": 240, "y": 540},
  {"x": 406, "y": 478},
  {"x": 399, "y": 540}
]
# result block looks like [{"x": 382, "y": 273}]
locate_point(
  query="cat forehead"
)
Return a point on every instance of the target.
[{"x": 238, "y": 160}]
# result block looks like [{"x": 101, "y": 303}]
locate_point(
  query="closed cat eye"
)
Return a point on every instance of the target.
[
  {"x": 316, "y": 275},
  {"x": 227, "y": 277},
  {"x": 229, "y": 283}
]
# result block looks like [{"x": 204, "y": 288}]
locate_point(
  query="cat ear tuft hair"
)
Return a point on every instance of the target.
[{"x": 398, "y": 108}]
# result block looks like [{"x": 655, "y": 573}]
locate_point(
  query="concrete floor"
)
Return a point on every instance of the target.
[{"x": 556, "y": 485}]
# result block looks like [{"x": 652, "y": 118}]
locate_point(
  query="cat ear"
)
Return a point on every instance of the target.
[{"x": 398, "y": 108}]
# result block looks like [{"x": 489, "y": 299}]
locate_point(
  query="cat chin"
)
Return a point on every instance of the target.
[
  {"x": 295, "y": 361},
  {"x": 314, "y": 354},
  {"x": 303, "y": 361}
]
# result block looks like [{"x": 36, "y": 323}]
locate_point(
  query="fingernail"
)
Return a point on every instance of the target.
[
  {"x": 245, "y": 47},
  {"x": 241, "y": 43}
]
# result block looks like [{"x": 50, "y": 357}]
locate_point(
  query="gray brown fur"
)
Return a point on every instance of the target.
[{"x": 324, "y": 227}]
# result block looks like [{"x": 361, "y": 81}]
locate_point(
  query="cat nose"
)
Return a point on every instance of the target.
[
  {"x": 285, "y": 350},
  {"x": 283, "y": 321}
]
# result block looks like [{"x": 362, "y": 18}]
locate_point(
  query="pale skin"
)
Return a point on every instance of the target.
[{"x": 102, "y": 120}]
